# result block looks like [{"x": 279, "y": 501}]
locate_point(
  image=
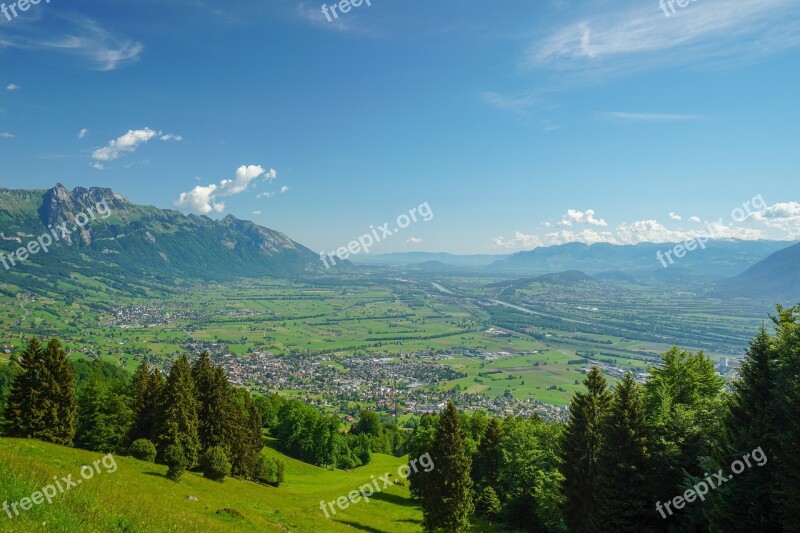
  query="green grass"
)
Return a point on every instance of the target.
[{"x": 137, "y": 497}]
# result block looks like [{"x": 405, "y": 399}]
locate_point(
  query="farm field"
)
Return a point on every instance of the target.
[{"x": 522, "y": 348}]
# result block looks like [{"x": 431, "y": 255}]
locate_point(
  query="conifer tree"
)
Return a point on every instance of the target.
[
  {"x": 42, "y": 401},
  {"x": 447, "y": 501},
  {"x": 59, "y": 394},
  {"x": 214, "y": 396},
  {"x": 580, "y": 445},
  {"x": 622, "y": 495},
  {"x": 786, "y": 417},
  {"x": 24, "y": 415},
  {"x": 147, "y": 387},
  {"x": 486, "y": 464},
  {"x": 747, "y": 504},
  {"x": 179, "y": 408}
]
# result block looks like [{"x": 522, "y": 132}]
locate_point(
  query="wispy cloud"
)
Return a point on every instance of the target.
[
  {"x": 12, "y": 87},
  {"x": 518, "y": 103},
  {"x": 76, "y": 36},
  {"x": 646, "y": 117},
  {"x": 640, "y": 38},
  {"x": 6, "y": 135}
]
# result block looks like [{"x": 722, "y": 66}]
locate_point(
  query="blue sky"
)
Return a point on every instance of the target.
[{"x": 524, "y": 125}]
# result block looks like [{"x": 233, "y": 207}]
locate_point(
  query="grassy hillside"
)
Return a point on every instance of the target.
[{"x": 137, "y": 496}]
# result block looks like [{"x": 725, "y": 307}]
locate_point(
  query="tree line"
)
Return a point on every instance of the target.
[
  {"x": 627, "y": 449},
  {"x": 191, "y": 419}
]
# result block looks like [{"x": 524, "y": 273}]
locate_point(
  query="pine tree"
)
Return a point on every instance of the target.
[
  {"x": 214, "y": 396},
  {"x": 746, "y": 505},
  {"x": 580, "y": 447},
  {"x": 447, "y": 501},
  {"x": 24, "y": 416},
  {"x": 147, "y": 387},
  {"x": 42, "y": 401},
  {"x": 59, "y": 395},
  {"x": 786, "y": 417},
  {"x": 622, "y": 493},
  {"x": 486, "y": 464},
  {"x": 244, "y": 440},
  {"x": 179, "y": 408}
]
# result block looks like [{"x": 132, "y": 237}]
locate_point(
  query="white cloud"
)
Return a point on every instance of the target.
[
  {"x": 200, "y": 200},
  {"x": 6, "y": 135},
  {"x": 82, "y": 133},
  {"x": 782, "y": 216},
  {"x": 203, "y": 200},
  {"x": 520, "y": 240},
  {"x": 651, "y": 230},
  {"x": 695, "y": 219},
  {"x": 12, "y": 87},
  {"x": 581, "y": 217},
  {"x": 675, "y": 216},
  {"x": 129, "y": 142},
  {"x": 256, "y": 212},
  {"x": 284, "y": 189},
  {"x": 414, "y": 240}
]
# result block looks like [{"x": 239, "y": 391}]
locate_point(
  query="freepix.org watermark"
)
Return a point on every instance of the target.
[
  {"x": 22, "y": 5},
  {"x": 701, "y": 489},
  {"x": 62, "y": 485},
  {"x": 366, "y": 491},
  {"x": 376, "y": 235},
  {"x": 344, "y": 7},
  {"x": 671, "y": 4},
  {"x": 755, "y": 205},
  {"x": 60, "y": 231}
]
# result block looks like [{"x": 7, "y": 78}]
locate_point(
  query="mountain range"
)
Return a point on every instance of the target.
[{"x": 141, "y": 241}]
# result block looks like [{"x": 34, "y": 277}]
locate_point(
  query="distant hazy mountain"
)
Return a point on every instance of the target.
[
  {"x": 720, "y": 258},
  {"x": 436, "y": 260},
  {"x": 777, "y": 276},
  {"x": 141, "y": 241}
]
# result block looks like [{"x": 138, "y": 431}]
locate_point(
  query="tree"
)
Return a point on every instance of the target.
[
  {"x": 747, "y": 504},
  {"x": 786, "y": 416},
  {"x": 8, "y": 373},
  {"x": 623, "y": 497},
  {"x": 419, "y": 444},
  {"x": 175, "y": 458},
  {"x": 685, "y": 407},
  {"x": 447, "y": 502},
  {"x": 214, "y": 398},
  {"x": 581, "y": 444},
  {"x": 104, "y": 417},
  {"x": 486, "y": 463},
  {"x": 215, "y": 464},
  {"x": 146, "y": 390},
  {"x": 179, "y": 408},
  {"x": 24, "y": 416},
  {"x": 42, "y": 400},
  {"x": 487, "y": 505}
]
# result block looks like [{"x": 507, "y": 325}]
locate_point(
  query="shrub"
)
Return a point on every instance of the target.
[
  {"x": 176, "y": 461},
  {"x": 144, "y": 450},
  {"x": 269, "y": 471},
  {"x": 215, "y": 465}
]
